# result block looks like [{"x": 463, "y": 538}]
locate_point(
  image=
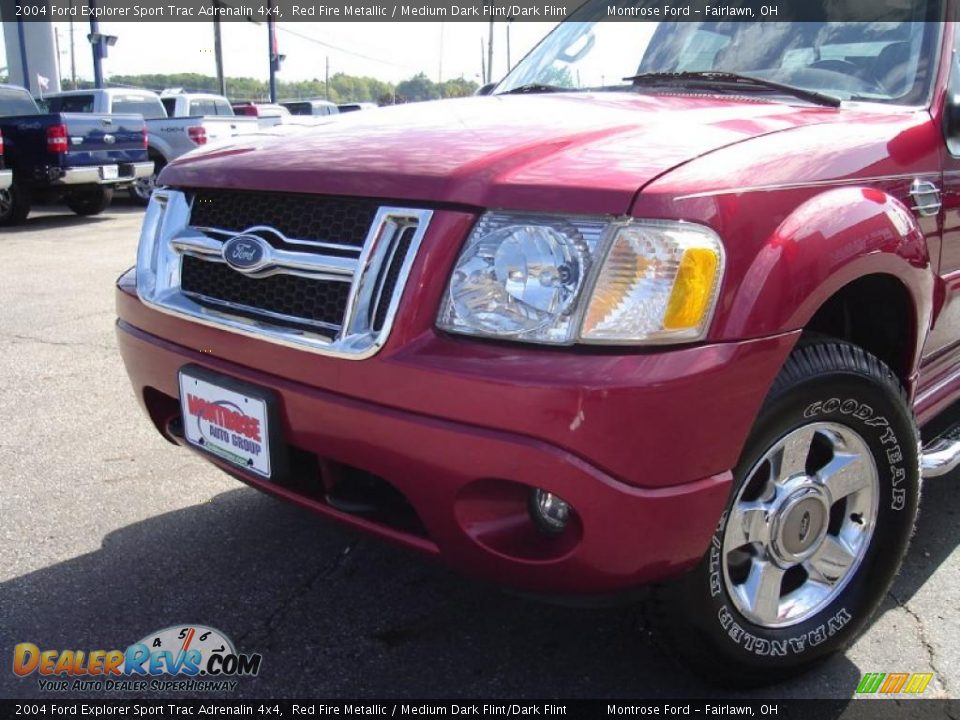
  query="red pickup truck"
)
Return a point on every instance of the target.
[{"x": 674, "y": 317}]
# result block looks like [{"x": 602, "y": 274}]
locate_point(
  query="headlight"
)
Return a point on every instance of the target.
[{"x": 540, "y": 278}]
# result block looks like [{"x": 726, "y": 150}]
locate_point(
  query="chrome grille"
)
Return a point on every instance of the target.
[{"x": 322, "y": 293}]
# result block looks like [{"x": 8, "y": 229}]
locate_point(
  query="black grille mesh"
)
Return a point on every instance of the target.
[
  {"x": 344, "y": 221},
  {"x": 392, "y": 275},
  {"x": 311, "y": 300}
]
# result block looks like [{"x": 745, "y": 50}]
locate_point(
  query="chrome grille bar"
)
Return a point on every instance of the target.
[
  {"x": 169, "y": 237},
  {"x": 193, "y": 242}
]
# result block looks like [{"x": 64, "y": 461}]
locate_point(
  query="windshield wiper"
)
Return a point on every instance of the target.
[
  {"x": 711, "y": 78},
  {"x": 535, "y": 88}
]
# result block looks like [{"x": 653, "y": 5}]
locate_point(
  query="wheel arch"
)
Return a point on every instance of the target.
[
  {"x": 855, "y": 251},
  {"x": 877, "y": 313}
]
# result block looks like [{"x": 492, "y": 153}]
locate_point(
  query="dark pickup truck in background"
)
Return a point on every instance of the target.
[{"x": 72, "y": 157}]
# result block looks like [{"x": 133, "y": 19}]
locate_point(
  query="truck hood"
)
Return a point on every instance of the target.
[{"x": 562, "y": 152}]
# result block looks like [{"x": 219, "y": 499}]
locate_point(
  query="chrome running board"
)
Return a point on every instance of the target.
[{"x": 942, "y": 454}]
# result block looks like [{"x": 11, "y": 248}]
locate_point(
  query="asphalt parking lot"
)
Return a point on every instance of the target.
[{"x": 108, "y": 533}]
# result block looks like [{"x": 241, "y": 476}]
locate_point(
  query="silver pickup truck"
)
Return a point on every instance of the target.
[{"x": 168, "y": 137}]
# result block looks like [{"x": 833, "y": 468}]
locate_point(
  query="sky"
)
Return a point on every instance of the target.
[{"x": 388, "y": 51}]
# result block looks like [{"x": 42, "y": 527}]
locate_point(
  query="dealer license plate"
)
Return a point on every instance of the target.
[
  {"x": 109, "y": 172},
  {"x": 226, "y": 418}
]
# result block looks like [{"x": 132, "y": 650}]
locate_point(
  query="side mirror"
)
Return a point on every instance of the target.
[{"x": 485, "y": 89}]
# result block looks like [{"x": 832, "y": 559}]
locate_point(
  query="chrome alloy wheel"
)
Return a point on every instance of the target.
[
  {"x": 143, "y": 187},
  {"x": 801, "y": 524}
]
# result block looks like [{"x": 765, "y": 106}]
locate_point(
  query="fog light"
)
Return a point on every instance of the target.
[{"x": 549, "y": 511}]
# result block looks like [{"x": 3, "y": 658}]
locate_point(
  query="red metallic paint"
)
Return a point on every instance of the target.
[
  {"x": 592, "y": 155},
  {"x": 594, "y": 404},
  {"x": 445, "y": 470},
  {"x": 641, "y": 442}
]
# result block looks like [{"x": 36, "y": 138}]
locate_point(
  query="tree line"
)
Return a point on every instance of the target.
[{"x": 343, "y": 87}]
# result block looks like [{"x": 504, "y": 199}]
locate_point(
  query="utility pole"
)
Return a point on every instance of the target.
[
  {"x": 490, "y": 48},
  {"x": 483, "y": 64},
  {"x": 56, "y": 44},
  {"x": 73, "y": 59},
  {"x": 509, "y": 63},
  {"x": 274, "y": 57},
  {"x": 440, "y": 68},
  {"x": 218, "y": 49},
  {"x": 326, "y": 81},
  {"x": 97, "y": 47}
]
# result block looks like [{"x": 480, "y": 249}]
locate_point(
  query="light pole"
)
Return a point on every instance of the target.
[
  {"x": 73, "y": 58},
  {"x": 218, "y": 48},
  {"x": 490, "y": 48},
  {"x": 94, "y": 38},
  {"x": 275, "y": 57}
]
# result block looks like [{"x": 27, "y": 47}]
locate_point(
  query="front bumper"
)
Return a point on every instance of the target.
[
  {"x": 6, "y": 179},
  {"x": 464, "y": 437},
  {"x": 95, "y": 174},
  {"x": 468, "y": 486}
]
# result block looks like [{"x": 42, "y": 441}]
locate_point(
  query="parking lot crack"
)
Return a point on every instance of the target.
[
  {"x": 13, "y": 337},
  {"x": 925, "y": 641},
  {"x": 324, "y": 572}
]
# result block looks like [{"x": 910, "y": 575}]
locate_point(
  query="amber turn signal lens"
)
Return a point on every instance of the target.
[{"x": 692, "y": 290}]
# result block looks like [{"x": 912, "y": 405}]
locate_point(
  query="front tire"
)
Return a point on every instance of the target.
[
  {"x": 824, "y": 501},
  {"x": 90, "y": 201}
]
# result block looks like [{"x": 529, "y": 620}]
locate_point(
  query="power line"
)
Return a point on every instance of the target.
[{"x": 331, "y": 46}]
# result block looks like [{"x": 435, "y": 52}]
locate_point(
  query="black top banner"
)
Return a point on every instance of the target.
[
  {"x": 499, "y": 709},
  {"x": 474, "y": 10}
]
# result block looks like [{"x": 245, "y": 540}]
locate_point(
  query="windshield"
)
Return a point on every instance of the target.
[{"x": 889, "y": 62}]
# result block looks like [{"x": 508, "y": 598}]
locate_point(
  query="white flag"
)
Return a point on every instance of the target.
[{"x": 43, "y": 82}]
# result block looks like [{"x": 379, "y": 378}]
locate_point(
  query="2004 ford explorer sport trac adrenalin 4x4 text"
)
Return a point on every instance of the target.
[{"x": 574, "y": 337}]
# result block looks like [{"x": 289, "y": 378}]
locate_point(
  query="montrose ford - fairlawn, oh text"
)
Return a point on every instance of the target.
[{"x": 664, "y": 11}]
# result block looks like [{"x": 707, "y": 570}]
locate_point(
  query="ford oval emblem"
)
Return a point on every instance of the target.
[{"x": 245, "y": 253}]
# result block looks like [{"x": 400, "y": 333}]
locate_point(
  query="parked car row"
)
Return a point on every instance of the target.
[
  {"x": 77, "y": 158},
  {"x": 311, "y": 107},
  {"x": 175, "y": 124},
  {"x": 92, "y": 142}
]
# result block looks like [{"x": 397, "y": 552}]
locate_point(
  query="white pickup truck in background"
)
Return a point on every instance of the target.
[{"x": 196, "y": 119}]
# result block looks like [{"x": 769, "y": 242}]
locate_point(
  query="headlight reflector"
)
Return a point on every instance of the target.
[
  {"x": 521, "y": 276},
  {"x": 538, "y": 267}
]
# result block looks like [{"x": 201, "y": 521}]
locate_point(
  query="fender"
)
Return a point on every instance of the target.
[{"x": 826, "y": 243}]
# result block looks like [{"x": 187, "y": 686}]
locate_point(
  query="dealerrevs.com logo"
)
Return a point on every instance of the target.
[{"x": 177, "y": 658}]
